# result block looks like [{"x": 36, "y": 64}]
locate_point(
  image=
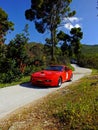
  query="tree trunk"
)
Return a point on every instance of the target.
[
  {"x": 52, "y": 42},
  {"x": 22, "y": 67}
]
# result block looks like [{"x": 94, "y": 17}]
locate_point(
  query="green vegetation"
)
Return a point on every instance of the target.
[
  {"x": 71, "y": 45},
  {"x": 89, "y": 49},
  {"x": 81, "y": 110},
  {"x": 22, "y": 80},
  {"x": 5, "y": 25},
  {"x": 89, "y": 56},
  {"x": 70, "y": 108}
]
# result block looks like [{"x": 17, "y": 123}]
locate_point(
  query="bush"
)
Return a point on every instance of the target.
[
  {"x": 10, "y": 76},
  {"x": 10, "y": 72},
  {"x": 89, "y": 60}
]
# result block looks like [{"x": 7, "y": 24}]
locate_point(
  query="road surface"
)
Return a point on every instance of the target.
[{"x": 14, "y": 97}]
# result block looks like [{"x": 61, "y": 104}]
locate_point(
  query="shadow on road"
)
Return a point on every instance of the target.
[{"x": 29, "y": 85}]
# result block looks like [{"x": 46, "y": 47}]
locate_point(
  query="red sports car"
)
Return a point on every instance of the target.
[{"x": 53, "y": 75}]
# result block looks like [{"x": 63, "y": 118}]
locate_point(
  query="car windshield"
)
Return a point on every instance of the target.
[{"x": 55, "y": 68}]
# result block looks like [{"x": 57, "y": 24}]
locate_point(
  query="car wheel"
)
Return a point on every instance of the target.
[{"x": 59, "y": 82}]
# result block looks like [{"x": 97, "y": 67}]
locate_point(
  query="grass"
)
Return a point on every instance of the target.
[
  {"x": 74, "y": 107},
  {"x": 22, "y": 80}
]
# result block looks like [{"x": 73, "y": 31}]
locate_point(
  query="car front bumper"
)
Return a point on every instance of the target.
[{"x": 43, "y": 82}]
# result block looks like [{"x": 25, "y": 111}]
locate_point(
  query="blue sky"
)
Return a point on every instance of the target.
[{"x": 86, "y": 18}]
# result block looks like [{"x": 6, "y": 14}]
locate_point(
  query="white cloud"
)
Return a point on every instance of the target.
[
  {"x": 77, "y": 26},
  {"x": 72, "y": 22},
  {"x": 68, "y": 26}
]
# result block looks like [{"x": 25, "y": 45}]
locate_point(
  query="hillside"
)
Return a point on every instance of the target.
[
  {"x": 85, "y": 48},
  {"x": 89, "y": 56},
  {"x": 89, "y": 49}
]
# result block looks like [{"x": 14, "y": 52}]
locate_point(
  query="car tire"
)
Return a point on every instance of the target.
[{"x": 59, "y": 82}]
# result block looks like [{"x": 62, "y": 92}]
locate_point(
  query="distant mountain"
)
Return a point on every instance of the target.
[
  {"x": 86, "y": 49},
  {"x": 89, "y": 49}
]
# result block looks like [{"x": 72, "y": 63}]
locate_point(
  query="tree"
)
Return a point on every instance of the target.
[
  {"x": 3, "y": 53},
  {"x": 5, "y": 25},
  {"x": 17, "y": 51},
  {"x": 71, "y": 43},
  {"x": 64, "y": 40},
  {"x": 47, "y": 14},
  {"x": 14, "y": 58},
  {"x": 76, "y": 36}
]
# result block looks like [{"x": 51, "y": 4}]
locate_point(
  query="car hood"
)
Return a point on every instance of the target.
[{"x": 45, "y": 73}]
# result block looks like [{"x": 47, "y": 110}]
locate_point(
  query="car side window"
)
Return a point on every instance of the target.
[{"x": 66, "y": 68}]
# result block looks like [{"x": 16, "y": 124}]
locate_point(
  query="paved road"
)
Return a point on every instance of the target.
[{"x": 14, "y": 97}]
